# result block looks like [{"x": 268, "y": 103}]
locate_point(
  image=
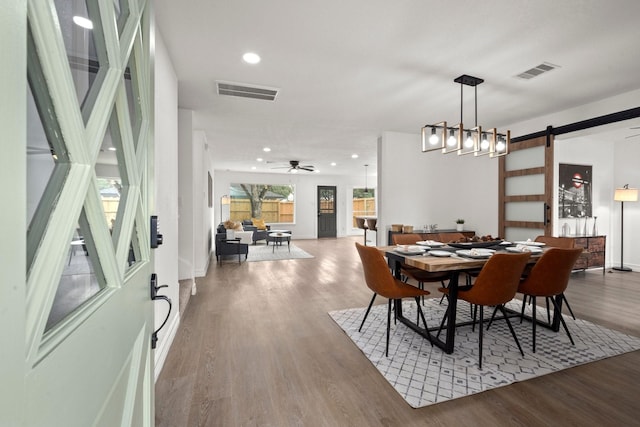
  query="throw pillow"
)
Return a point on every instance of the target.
[{"x": 259, "y": 223}]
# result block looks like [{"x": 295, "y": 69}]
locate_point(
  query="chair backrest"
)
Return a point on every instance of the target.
[
  {"x": 405, "y": 238},
  {"x": 550, "y": 275},
  {"x": 372, "y": 223},
  {"x": 376, "y": 271},
  {"x": 450, "y": 237},
  {"x": 360, "y": 223},
  {"x": 498, "y": 280},
  {"x": 557, "y": 242}
]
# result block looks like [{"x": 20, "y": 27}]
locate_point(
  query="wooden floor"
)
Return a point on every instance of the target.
[{"x": 257, "y": 348}]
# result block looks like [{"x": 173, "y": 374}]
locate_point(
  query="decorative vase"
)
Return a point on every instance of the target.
[
  {"x": 595, "y": 228},
  {"x": 586, "y": 222},
  {"x": 459, "y": 227}
]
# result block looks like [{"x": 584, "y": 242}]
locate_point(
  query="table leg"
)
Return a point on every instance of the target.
[
  {"x": 451, "y": 312},
  {"x": 555, "y": 323}
]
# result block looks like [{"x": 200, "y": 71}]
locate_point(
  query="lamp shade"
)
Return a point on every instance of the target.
[
  {"x": 626, "y": 195},
  {"x": 225, "y": 200}
]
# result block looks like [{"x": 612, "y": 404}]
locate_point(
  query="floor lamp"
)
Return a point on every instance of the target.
[
  {"x": 224, "y": 201},
  {"x": 624, "y": 194}
]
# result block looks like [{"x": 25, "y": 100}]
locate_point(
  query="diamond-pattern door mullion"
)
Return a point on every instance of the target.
[
  {"x": 51, "y": 49},
  {"x": 50, "y": 258}
]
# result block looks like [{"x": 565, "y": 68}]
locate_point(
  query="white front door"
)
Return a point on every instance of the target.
[{"x": 75, "y": 244}]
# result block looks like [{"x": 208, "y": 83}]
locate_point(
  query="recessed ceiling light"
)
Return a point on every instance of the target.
[
  {"x": 111, "y": 148},
  {"x": 83, "y": 22},
  {"x": 354, "y": 156},
  {"x": 266, "y": 149},
  {"x": 317, "y": 171},
  {"x": 333, "y": 163},
  {"x": 253, "y": 168},
  {"x": 259, "y": 159},
  {"x": 251, "y": 58}
]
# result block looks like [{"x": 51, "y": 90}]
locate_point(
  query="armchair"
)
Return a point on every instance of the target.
[
  {"x": 247, "y": 225},
  {"x": 230, "y": 247}
]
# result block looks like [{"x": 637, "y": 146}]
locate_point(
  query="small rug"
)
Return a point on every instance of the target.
[
  {"x": 268, "y": 253},
  {"x": 424, "y": 375}
]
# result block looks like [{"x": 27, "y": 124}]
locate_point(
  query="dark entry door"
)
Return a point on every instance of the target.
[{"x": 326, "y": 211}]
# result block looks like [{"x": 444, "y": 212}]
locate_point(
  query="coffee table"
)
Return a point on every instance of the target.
[{"x": 278, "y": 238}]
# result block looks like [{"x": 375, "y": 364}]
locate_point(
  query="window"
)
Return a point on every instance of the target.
[
  {"x": 272, "y": 203},
  {"x": 364, "y": 203}
]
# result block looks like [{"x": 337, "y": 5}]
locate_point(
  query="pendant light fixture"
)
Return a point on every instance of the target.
[
  {"x": 461, "y": 140},
  {"x": 366, "y": 188}
]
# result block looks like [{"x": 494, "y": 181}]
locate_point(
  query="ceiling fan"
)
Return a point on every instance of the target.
[{"x": 294, "y": 166}]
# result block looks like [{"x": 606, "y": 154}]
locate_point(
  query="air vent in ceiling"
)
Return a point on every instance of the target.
[
  {"x": 537, "y": 70},
  {"x": 247, "y": 91}
]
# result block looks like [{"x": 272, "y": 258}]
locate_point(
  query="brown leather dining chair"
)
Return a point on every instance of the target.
[
  {"x": 549, "y": 278},
  {"x": 410, "y": 272},
  {"x": 554, "y": 242},
  {"x": 380, "y": 280},
  {"x": 495, "y": 285}
]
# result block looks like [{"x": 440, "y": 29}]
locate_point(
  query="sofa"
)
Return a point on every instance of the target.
[{"x": 247, "y": 225}]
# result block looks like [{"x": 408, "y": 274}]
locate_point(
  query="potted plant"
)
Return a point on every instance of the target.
[{"x": 459, "y": 224}]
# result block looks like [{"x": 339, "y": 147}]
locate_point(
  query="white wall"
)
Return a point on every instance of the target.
[
  {"x": 186, "y": 269},
  {"x": 201, "y": 211},
  {"x": 166, "y": 196},
  {"x": 626, "y": 171},
  {"x": 306, "y": 212},
  {"x": 418, "y": 188},
  {"x": 589, "y": 151}
]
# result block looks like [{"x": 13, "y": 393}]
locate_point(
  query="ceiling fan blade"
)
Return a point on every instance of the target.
[
  {"x": 632, "y": 136},
  {"x": 306, "y": 168}
]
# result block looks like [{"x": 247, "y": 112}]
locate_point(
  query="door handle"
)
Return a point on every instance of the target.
[
  {"x": 156, "y": 297},
  {"x": 546, "y": 219}
]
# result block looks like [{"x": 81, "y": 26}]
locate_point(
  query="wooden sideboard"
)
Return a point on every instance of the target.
[
  {"x": 424, "y": 235},
  {"x": 594, "y": 255}
]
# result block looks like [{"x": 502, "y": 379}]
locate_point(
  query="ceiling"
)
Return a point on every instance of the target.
[{"x": 347, "y": 71}]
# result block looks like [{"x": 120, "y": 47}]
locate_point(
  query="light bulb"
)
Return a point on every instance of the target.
[
  {"x": 451, "y": 141},
  {"x": 485, "y": 143},
  {"x": 468, "y": 143},
  {"x": 433, "y": 139},
  {"x": 500, "y": 145}
]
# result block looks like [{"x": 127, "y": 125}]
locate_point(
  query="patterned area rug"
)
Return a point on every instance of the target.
[
  {"x": 268, "y": 253},
  {"x": 424, "y": 375}
]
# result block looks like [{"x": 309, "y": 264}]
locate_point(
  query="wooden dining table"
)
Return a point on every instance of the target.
[{"x": 454, "y": 265}]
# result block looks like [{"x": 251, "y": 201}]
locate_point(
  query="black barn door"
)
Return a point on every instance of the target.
[{"x": 327, "y": 211}]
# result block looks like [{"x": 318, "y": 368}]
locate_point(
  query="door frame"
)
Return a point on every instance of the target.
[{"x": 335, "y": 209}]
